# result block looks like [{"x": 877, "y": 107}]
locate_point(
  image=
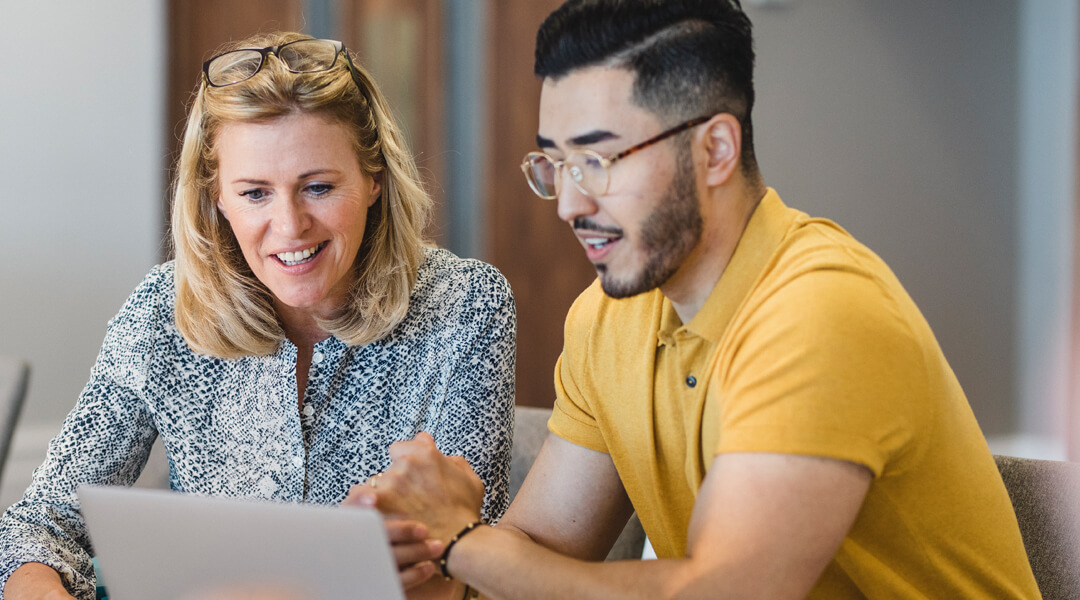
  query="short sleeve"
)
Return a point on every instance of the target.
[{"x": 572, "y": 418}]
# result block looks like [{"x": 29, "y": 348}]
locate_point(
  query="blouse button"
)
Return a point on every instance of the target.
[
  {"x": 691, "y": 381},
  {"x": 317, "y": 357},
  {"x": 308, "y": 410}
]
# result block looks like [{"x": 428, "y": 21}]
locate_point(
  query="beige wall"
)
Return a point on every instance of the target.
[{"x": 81, "y": 156}]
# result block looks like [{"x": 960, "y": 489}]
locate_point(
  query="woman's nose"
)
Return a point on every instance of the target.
[{"x": 291, "y": 217}]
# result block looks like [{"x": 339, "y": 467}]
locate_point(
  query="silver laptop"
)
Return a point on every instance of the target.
[{"x": 154, "y": 544}]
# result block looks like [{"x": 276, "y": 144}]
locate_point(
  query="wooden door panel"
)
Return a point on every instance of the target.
[{"x": 536, "y": 251}]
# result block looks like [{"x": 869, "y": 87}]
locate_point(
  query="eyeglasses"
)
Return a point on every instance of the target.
[
  {"x": 300, "y": 56},
  {"x": 588, "y": 169}
]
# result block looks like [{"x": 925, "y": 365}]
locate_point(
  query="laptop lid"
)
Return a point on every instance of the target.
[{"x": 172, "y": 546}]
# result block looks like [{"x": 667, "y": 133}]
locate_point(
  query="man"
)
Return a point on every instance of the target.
[{"x": 755, "y": 383}]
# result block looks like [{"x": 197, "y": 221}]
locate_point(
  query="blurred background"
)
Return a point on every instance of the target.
[{"x": 941, "y": 134}]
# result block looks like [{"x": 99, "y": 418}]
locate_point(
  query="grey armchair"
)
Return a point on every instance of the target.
[
  {"x": 1046, "y": 497},
  {"x": 14, "y": 374},
  {"x": 530, "y": 431}
]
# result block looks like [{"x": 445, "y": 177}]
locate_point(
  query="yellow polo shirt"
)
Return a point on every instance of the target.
[{"x": 808, "y": 345}]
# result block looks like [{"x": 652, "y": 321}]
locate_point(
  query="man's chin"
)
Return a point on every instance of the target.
[
  {"x": 618, "y": 289},
  {"x": 650, "y": 278}
]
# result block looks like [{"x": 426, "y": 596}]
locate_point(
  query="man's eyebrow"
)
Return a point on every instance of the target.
[
  {"x": 582, "y": 140},
  {"x": 592, "y": 137}
]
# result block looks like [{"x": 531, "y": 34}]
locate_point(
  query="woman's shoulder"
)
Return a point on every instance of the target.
[
  {"x": 444, "y": 275},
  {"x": 155, "y": 291},
  {"x": 145, "y": 319},
  {"x": 454, "y": 294}
]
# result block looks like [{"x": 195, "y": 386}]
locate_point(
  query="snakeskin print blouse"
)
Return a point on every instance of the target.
[{"x": 232, "y": 428}]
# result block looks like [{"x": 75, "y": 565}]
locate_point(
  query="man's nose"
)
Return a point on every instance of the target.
[{"x": 573, "y": 203}]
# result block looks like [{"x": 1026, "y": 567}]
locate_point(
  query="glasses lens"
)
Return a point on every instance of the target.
[
  {"x": 541, "y": 175},
  {"x": 234, "y": 67},
  {"x": 587, "y": 171},
  {"x": 308, "y": 56}
]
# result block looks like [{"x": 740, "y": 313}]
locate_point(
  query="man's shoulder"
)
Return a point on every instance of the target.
[{"x": 818, "y": 243}]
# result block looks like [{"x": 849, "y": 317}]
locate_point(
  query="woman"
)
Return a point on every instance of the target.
[{"x": 302, "y": 328}]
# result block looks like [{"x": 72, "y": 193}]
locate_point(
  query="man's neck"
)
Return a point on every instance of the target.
[{"x": 726, "y": 214}]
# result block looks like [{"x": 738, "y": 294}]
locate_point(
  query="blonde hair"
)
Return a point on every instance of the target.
[{"x": 222, "y": 309}]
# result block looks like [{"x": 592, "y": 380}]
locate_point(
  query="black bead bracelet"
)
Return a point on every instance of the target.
[{"x": 446, "y": 553}]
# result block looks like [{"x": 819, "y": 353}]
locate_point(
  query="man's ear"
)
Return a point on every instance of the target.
[
  {"x": 722, "y": 139},
  {"x": 221, "y": 209}
]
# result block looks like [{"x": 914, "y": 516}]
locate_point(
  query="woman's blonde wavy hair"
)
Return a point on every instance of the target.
[{"x": 222, "y": 309}]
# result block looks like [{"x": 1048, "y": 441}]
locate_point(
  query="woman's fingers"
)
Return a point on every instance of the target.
[
  {"x": 405, "y": 532},
  {"x": 414, "y": 575},
  {"x": 415, "y": 553}
]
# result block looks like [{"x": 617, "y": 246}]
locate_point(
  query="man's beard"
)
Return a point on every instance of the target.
[{"x": 668, "y": 234}]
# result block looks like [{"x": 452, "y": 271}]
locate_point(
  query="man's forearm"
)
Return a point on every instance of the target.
[{"x": 505, "y": 564}]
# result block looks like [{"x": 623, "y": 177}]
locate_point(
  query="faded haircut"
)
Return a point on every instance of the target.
[{"x": 690, "y": 58}]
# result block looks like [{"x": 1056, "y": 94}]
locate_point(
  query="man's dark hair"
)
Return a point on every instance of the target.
[{"x": 690, "y": 58}]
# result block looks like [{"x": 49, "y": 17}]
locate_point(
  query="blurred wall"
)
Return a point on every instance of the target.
[
  {"x": 900, "y": 121},
  {"x": 81, "y": 157},
  {"x": 1047, "y": 222}
]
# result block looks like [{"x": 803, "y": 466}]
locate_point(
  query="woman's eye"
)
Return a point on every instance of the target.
[
  {"x": 253, "y": 195},
  {"x": 319, "y": 189}
]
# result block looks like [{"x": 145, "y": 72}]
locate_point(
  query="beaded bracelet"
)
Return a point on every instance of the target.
[{"x": 446, "y": 553}]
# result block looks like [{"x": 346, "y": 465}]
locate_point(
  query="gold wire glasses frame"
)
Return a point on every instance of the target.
[
  {"x": 298, "y": 56},
  {"x": 588, "y": 169}
]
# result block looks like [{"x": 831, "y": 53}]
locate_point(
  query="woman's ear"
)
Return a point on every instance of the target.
[
  {"x": 221, "y": 209},
  {"x": 722, "y": 139},
  {"x": 376, "y": 188}
]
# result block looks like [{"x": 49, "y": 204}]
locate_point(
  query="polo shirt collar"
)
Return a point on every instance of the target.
[{"x": 766, "y": 229}]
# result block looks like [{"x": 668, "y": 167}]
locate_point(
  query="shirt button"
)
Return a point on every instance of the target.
[
  {"x": 298, "y": 461},
  {"x": 691, "y": 381},
  {"x": 317, "y": 357},
  {"x": 308, "y": 410}
]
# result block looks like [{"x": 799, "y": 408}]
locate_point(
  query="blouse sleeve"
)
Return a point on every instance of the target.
[
  {"x": 105, "y": 440},
  {"x": 478, "y": 414}
]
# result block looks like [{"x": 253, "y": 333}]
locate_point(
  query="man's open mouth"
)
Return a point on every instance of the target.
[{"x": 599, "y": 242}]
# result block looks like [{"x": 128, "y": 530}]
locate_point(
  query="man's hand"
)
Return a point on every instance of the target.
[
  {"x": 413, "y": 552},
  {"x": 423, "y": 485}
]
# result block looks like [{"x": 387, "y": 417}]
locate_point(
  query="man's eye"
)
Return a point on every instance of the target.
[{"x": 592, "y": 162}]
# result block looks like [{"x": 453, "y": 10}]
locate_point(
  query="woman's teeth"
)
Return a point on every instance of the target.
[{"x": 295, "y": 258}]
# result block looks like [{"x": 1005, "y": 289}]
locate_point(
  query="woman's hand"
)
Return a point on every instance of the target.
[
  {"x": 35, "y": 581},
  {"x": 414, "y": 552}
]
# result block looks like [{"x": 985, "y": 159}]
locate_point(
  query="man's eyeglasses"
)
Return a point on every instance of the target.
[
  {"x": 300, "y": 56},
  {"x": 588, "y": 169}
]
